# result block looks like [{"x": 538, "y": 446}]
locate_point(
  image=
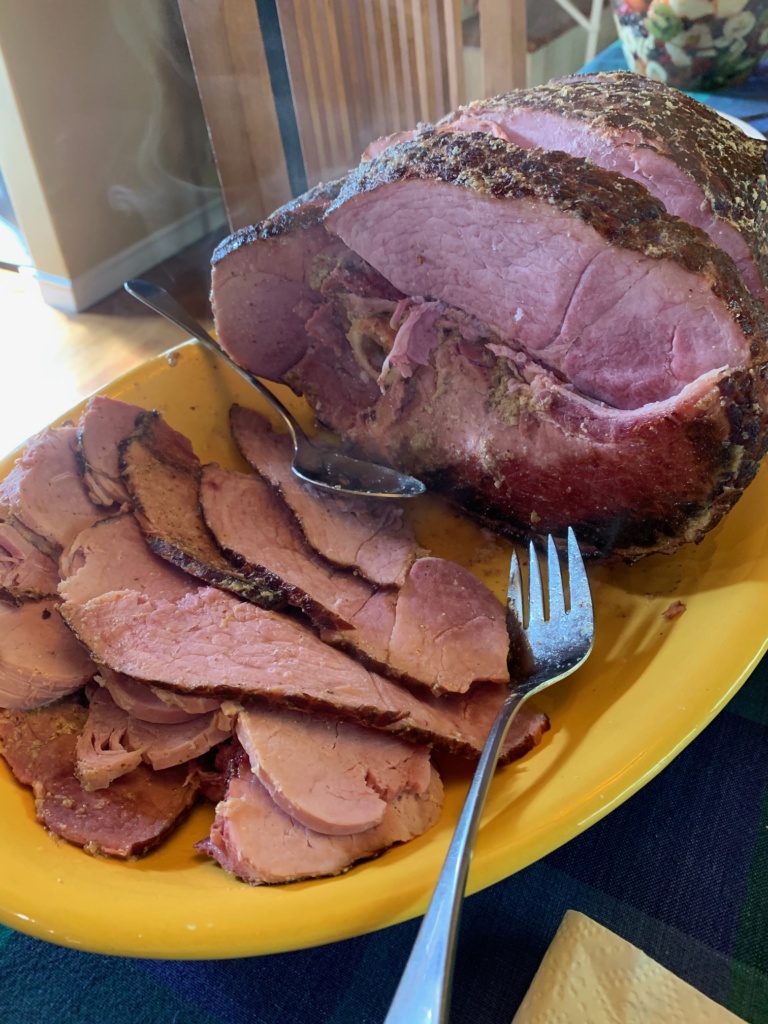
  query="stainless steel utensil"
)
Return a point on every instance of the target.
[
  {"x": 319, "y": 466},
  {"x": 552, "y": 648}
]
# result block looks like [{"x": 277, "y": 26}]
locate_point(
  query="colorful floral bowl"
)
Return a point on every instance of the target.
[{"x": 693, "y": 44}]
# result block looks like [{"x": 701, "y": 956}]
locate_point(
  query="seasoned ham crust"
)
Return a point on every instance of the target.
[
  {"x": 715, "y": 157},
  {"x": 620, "y": 210},
  {"x": 162, "y": 474}
]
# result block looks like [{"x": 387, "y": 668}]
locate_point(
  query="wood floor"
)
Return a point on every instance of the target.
[{"x": 51, "y": 360}]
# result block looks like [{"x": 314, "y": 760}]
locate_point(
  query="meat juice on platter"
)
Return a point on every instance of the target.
[{"x": 629, "y": 402}]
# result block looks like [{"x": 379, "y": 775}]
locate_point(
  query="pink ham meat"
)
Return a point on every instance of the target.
[
  {"x": 331, "y": 777},
  {"x": 113, "y": 743},
  {"x": 104, "y": 424},
  {"x": 254, "y": 528},
  {"x": 25, "y": 572},
  {"x": 261, "y": 844},
  {"x": 40, "y": 659},
  {"x": 371, "y": 537},
  {"x": 129, "y": 818},
  {"x": 44, "y": 496},
  {"x": 113, "y": 555},
  {"x": 703, "y": 169},
  {"x": 149, "y": 704},
  {"x": 441, "y": 629},
  {"x": 210, "y": 644},
  {"x": 162, "y": 474}
]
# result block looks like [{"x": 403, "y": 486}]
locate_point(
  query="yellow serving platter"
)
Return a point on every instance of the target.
[{"x": 649, "y": 687}]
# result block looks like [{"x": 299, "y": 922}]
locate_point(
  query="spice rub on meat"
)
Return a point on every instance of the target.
[{"x": 530, "y": 330}]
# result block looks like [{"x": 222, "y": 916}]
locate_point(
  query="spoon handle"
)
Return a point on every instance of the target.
[{"x": 162, "y": 302}]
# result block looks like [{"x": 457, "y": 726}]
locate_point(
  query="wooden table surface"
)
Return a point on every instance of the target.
[{"x": 52, "y": 360}]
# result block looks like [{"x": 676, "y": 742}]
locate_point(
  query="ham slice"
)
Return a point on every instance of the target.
[
  {"x": 113, "y": 555},
  {"x": 113, "y": 743},
  {"x": 442, "y": 629},
  {"x": 25, "y": 572},
  {"x": 40, "y": 659},
  {"x": 209, "y": 643},
  {"x": 129, "y": 818},
  {"x": 256, "y": 840},
  {"x": 371, "y": 537},
  {"x": 162, "y": 475},
  {"x": 44, "y": 496},
  {"x": 149, "y": 704},
  {"x": 332, "y": 777},
  {"x": 104, "y": 424}
]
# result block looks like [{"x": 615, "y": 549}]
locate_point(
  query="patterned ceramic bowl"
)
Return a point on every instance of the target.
[{"x": 693, "y": 44}]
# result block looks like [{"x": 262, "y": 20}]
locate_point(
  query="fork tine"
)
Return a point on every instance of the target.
[
  {"x": 515, "y": 604},
  {"x": 535, "y": 593},
  {"x": 581, "y": 601},
  {"x": 554, "y": 582}
]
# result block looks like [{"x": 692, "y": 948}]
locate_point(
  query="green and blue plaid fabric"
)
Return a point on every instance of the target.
[{"x": 680, "y": 870}]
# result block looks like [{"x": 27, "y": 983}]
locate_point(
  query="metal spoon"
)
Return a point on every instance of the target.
[{"x": 318, "y": 466}]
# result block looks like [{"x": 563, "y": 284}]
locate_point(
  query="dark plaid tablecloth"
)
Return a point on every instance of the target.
[{"x": 680, "y": 870}]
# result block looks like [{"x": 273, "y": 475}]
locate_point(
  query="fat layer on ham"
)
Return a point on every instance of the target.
[{"x": 150, "y": 704}]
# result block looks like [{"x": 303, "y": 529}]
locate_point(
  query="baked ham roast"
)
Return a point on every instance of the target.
[{"x": 532, "y": 334}]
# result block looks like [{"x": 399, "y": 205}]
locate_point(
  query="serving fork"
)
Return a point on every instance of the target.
[{"x": 546, "y": 648}]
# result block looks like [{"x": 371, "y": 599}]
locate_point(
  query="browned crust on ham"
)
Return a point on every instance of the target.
[
  {"x": 620, "y": 210},
  {"x": 303, "y": 212},
  {"x": 730, "y": 168},
  {"x": 163, "y": 479}
]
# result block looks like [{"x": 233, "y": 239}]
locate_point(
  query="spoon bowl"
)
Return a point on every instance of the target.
[{"x": 321, "y": 467}]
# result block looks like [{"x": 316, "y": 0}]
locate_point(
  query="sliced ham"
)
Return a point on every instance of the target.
[
  {"x": 332, "y": 777},
  {"x": 25, "y": 572},
  {"x": 113, "y": 555},
  {"x": 149, "y": 704},
  {"x": 208, "y": 643},
  {"x": 371, "y": 537},
  {"x": 40, "y": 659},
  {"x": 104, "y": 424},
  {"x": 442, "y": 629},
  {"x": 113, "y": 743},
  {"x": 44, "y": 496},
  {"x": 162, "y": 475},
  {"x": 253, "y": 526},
  {"x": 261, "y": 844},
  {"x": 705, "y": 171},
  {"x": 129, "y": 818}
]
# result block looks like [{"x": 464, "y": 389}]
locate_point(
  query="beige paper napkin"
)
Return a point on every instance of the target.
[{"x": 591, "y": 976}]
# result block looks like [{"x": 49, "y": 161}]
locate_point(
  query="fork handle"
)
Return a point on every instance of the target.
[{"x": 424, "y": 993}]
